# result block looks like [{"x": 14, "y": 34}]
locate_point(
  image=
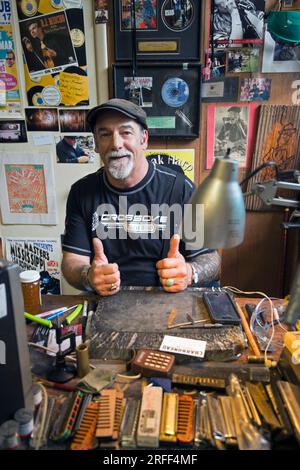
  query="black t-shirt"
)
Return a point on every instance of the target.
[{"x": 134, "y": 237}]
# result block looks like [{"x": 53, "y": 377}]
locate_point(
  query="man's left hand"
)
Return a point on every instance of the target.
[{"x": 174, "y": 273}]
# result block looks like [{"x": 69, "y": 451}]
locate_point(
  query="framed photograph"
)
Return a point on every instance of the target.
[
  {"x": 28, "y": 193},
  {"x": 230, "y": 126},
  {"x": 161, "y": 29},
  {"x": 243, "y": 60},
  {"x": 224, "y": 89},
  {"x": 169, "y": 93}
]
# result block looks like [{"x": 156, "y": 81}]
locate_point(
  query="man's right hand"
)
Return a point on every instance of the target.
[{"x": 103, "y": 276}]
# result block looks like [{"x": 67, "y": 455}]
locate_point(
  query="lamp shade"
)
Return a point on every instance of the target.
[
  {"x": 284, "y": 26},
  {"x": 222, "y": 218}
]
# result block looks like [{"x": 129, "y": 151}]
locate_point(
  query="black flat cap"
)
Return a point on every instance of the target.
[{"x": 122, "y": 106}]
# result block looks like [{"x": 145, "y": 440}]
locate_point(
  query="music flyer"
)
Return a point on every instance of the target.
[
  {"x": 10, "y": 104},
  {"x": 43, "y": 255},
  {"x": 54, "y": 50},
  {"x": 185, "y": 158}
]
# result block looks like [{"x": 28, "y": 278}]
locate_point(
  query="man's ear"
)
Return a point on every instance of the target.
[{"x": 144, "y": 139}]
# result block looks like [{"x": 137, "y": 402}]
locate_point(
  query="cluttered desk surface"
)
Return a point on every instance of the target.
[{"x": 193, "y": 402}]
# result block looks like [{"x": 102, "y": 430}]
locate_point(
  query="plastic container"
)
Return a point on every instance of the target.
[{"x": 30, "y": 282}]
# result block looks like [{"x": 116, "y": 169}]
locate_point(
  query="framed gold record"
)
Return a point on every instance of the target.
[{"x": 157, "y": 29}]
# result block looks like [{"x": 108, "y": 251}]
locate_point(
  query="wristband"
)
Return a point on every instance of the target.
[{"x": 85, "y": 278}]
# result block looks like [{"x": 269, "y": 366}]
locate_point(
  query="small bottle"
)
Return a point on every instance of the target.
[{"x": 30, "y": 282}]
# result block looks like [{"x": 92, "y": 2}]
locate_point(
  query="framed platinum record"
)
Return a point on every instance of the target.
[
  {"x": 169, "y": 93},
  {"x": 157, "y": 29}
]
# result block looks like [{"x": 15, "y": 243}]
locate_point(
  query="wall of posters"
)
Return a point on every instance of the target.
[
  {"x": 27, "y": 182},
  {"x": 184, "y": 158},
  {"x": 10, "y": 104},
  {"x": 43, "y": 255},
  {"x": 53, "y": 42}
]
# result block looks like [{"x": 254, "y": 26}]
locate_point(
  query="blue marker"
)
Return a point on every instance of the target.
[{"x": 61, "y": 312}]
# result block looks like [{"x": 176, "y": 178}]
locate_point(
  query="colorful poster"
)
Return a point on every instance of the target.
[
  {"x": 27, "y": 183},
  {"x": 47, "y": 44},
  {"x": 5, "y": 12},
  {"x": 54, "y": 50},
  {"x": 230, "y": 127},
  {"x": 10, "y": 104},
  {"x": 184, "y": 158},
  {"x": 43, "y": 255}
]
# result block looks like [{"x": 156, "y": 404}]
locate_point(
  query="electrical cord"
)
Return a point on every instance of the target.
[{"x": 235, "y": 290}]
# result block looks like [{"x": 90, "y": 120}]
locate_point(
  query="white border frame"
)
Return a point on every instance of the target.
[{"x": 26, "y": 158}]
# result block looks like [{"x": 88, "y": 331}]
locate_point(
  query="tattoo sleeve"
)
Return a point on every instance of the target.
[{"x": 207, "y": 266}]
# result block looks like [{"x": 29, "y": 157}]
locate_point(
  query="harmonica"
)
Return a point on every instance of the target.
[
  {"x": 185, "y": 426},
  {"x": 130, "y": 422},
  {"x": 106, "y": 414},
  {"x": 85, "y": 436},
  {"x": 169, "y": 418},
  {"x": 149, "y": 422},
  {"x": 230, "y": 433}
]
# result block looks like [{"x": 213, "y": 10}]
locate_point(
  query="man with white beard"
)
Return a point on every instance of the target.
[{"x": 119, "y": 230}]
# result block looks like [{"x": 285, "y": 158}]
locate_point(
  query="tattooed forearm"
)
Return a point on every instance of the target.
[{"x": 207, "y": 266}]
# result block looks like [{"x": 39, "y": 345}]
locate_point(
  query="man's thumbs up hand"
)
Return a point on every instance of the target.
[
  {"x": 174, "y": 247},
  {"x": 174, "y": 273},
  {"x": 103, "y": 276},
  {"x": 99, "y": 257}
]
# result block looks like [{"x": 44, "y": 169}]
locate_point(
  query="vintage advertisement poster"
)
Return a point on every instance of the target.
[
  {"x": 54, "y": 51},
  {"x": 230, "y": 127},
  {"x": 174, "y": 158},
  {"x": 10, "y": 104},
  {"x": 27, "y": 182},
  {"x": 238, "y": 22},
  {"x": 43, "y": 255}
]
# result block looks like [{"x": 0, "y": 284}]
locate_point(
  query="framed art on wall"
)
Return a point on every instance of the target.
[
  {"x": 157, "y": 29},
  {"x": 169, "y": 93}
]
